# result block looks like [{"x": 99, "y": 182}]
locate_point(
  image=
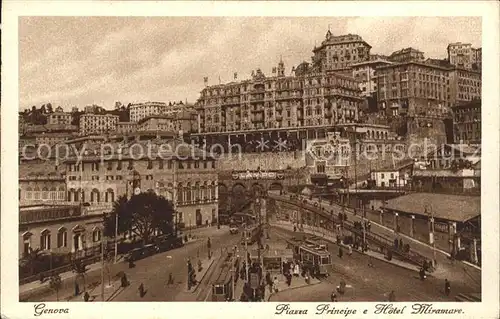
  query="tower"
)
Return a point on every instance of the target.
[{"x": 281, "y": 67}]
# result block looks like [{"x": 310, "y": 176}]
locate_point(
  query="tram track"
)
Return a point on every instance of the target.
[{"x": 357, "y": 273}]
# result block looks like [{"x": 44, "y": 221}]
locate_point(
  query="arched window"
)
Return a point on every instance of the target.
[
  {"x": 36, "y": 193},
  {"x": 96, "y": 235},
  {"x": 29, "y": 193},
  {"x": 188, "y": 193},
  {"x": 180, "y": 193},
  {"x": 60, "y": 193},
  {"x": 110, "y": 195},
  {"x": 204, "y": 191},
  {"x": 94, "y": 196},
  {"x": 53, "y": 193},
  {"x": 45, "y": 193},
  {"x": 45, "y": 240},
  {"x": 62, "y": 237},
  {"x": 27, "y": 243},
  {"x": 197, "y": 191}
]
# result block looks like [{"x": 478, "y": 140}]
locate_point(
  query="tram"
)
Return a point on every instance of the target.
[
  {"x": 313, "y": 254},
  {"x": 222, "y": 288},
  {"x": 252, "y": 235}
]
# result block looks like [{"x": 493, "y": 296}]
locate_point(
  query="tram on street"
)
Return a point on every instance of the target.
[
  {"x": 313, "y": 255},
  {"x": 252, "y": 235},
  {"x": 222, "y": 287}
]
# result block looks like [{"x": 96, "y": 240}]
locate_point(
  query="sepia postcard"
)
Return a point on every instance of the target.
[{"x": 319, "y": 158}]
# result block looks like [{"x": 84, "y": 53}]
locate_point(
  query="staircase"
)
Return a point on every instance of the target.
[{"x": 472, "y": 297}]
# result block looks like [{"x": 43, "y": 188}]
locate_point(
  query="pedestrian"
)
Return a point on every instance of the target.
[
  {"x": 86, "y": 296},
  {"x": 392, "y": 296},
  {"x": 170, "y": 279},
  {"x": 350, "y": 250},
  {"x": 447, "y": 287},
  {"x": 370, "y": 262},
  {"x": 340, "y": 252},
  {"x": 296, "y": 271},
  {"x": 422, "y": 273},
  {"x": 77, "y": 289},
  {"x": 401, "y": 243},
  {"x": 396, "y": 243},
  {"x": 141, "y": 290},
  {"x": 333, "y": 296},
  {"x": 288, "y": 279},
  {"x": 275, "y": 284}
]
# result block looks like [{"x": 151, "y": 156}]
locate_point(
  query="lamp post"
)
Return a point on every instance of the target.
[{"x": 431, "y": 234}]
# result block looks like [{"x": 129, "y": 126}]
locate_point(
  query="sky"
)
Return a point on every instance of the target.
[{"x": 77, "y": 61}]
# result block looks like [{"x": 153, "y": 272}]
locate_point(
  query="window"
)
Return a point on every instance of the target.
[
  {"x": 62, "y": 238},
  {"x": 160, "y": 164},
  {"x": 150, "y": 164},
  {"x": 96, "y": 235},
  {"x": 382, "y": 176},
  {"x": 45, "y": 240},
  {"x": 119, "y": 166},
  {"x": 392, "y": 175}
]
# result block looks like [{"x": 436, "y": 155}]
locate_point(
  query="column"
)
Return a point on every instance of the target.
[
  {"x": 396, "y": 222},
  {"x": 474, "y": 251},
  {"x": 412, "y": 226},
  {"x": 452, "y": 230}
]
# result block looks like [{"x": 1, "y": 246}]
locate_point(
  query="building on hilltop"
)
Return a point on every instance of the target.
[
  {"x": 59, "y": 117},
  {"x": 97, "y": 123},
  {"x": 339, "y": 52},
  {"x": 407, "y": 55},
  {"x": 467, "y": 122},
  {"x": 310, "y": 99},
  {"x": 465, "y": 85},
  {"x": 463, "y": 55},
  {"x": 365, "y": 73}
]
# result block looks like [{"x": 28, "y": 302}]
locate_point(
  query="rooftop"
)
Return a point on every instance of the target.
[{"x": 449, "y": 207}]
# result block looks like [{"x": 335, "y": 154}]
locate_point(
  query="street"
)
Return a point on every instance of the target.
[
  {"x": 153, "y": 271},
  {"x": 370, "y": 284}
]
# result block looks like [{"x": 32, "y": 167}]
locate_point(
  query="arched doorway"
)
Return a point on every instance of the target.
[
  {"x": 238, "y": 197},
  {"x": 199, "y": 219}
]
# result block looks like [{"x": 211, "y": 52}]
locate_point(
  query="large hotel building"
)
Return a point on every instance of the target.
[{"x": 317, "y": 94}]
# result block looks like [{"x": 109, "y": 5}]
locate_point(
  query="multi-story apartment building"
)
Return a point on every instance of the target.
[
  {"x": 52, "y": 138},
  {"x": 139, "y": 111},
  {"x": 156, "y": 123},
  {"x": 467, "y": 123},
  {"x": 59, "y": 117},
  {"x": 477, "y": 58},
  {"x": 365, "y": 73},
  {"x": 398, "y": 84},
  {"x": 126, "y": 127},
  {"x": 407, "y": 55},
  {"x": 465, "y": 85},
  {"x": 98, "y": 123},
  {"x": 170, "y": 168},
  {"x": 339, "y": 52},
  {"x": 306, "y": 99},
  {"x": 463, "y": 55}
]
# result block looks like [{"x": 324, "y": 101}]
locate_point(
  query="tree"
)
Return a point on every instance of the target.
[
  {"x": 49, "y": 108},
  {"x": 143, "y": 214},
  {"x": 32, "y": 259},
  {"x": 124, "y": 218},
  {"x": 55, "y": 283}
]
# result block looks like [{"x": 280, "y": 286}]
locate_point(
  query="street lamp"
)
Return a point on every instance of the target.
[{"x": 431, "y": 234}]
